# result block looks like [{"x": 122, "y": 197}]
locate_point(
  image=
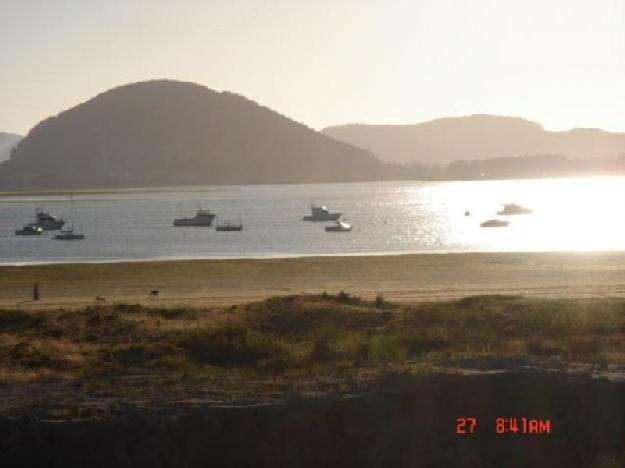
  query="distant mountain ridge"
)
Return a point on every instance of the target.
[
  {"x": 482, "y": 136},
  {"x": 170, "y": 133},
  {"x": 162, "y": 132},
  {"x": 7, "y": 142}
]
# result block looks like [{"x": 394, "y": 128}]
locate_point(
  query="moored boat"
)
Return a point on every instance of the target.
[
  {"x": 229, "y": 226},
  {"x": 495, "y": 223},
  {"x": 511, "y": 209},
  {"x": 29, "y": 230},
  {"x": 202, "y": 218},
  {"x": 47, "y": 221},
  {"x": 339, "y": 226},
  {"x": 69, "y": 234},
  {"x": 321, "y": 213}
]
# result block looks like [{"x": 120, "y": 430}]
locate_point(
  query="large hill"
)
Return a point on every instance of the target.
[
  {"x": 443, "y": 141},
  {"x": 164, "y": 132},
  {"x": 7, "y": 142}
]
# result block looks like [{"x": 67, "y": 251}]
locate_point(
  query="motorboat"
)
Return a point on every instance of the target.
[
  {"x": 511, "y": 209},
  {"x": 47, "y": 221},
  {"x": 229, "y": 226},
  {"x": 202, "y": 218},
  {"x": 69, "y": 234},
  {"x": 339, "y": 226},
  {"x": 495, "y": 223},
  {"x": 29, "y": 230},
  {"x": 321, "y": 213}
]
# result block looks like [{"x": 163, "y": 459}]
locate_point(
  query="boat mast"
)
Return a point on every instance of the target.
[{"x": 71, "y": 199}]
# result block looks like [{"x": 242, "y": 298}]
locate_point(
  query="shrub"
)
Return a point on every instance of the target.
[
  {"x": 131, "y": 355},
  {"x": 422, "y": 343},
  {"x": 231, "y": 344},
  {"x": 321, "y": 351},
  {"x": 582, "y": 347},
  {"x": 34, "y": 356},
  {"x": 364, "y": 349},
  {"x": 174, "y": 314},
  {"x": 377, "y": 347},
  {"x": 17, "y": 320},
  {"x": 131, "y": 308},
  {"x": 388, "y": 348},
  {"x": 345, "y": 298}
]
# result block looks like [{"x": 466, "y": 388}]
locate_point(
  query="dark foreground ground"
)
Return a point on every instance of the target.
[
  {"x": 404, "y": 421},
  {"x": 314, "y": 381}
]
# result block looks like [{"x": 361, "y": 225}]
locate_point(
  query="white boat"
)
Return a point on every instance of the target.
[
  {"x": 69, "y": 234},
  {"x": 201, "y": 218},
  {"x": 339, "y": 226},
  {"x": 511, "y": 209},
  {"x": 321, "y": 213},
  {"x": 29, "y": 230}
]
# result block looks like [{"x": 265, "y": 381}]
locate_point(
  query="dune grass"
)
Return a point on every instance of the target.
[{"x": 304, "y": 333}]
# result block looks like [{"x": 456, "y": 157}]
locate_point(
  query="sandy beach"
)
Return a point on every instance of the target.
[{"x": 417, "y": 277}]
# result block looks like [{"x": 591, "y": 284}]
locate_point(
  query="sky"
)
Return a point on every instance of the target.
[{"x": 326, "y": 62}]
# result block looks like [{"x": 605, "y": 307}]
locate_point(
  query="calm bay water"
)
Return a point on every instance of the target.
[{"x": 388, "y": 217}]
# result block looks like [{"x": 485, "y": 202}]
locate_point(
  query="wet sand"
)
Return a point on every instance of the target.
[{"x": 415, "y": 277}]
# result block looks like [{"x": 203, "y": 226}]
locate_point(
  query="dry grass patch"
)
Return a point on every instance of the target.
[{"x": 294, "y": 333}]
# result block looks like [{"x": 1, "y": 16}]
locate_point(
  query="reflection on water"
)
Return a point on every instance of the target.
[{"x": 569, "y": 214}]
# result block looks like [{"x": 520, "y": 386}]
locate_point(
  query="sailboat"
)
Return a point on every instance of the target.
[
  {"x": 67, "y": 233},
  {"x": 229, "y": 226}
]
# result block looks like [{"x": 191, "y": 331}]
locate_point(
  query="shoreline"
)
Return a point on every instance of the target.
[
  {"x": 399, "y": 277},
  {"x": 213, "y": 187},
  {"x": 278, "y": 256}
]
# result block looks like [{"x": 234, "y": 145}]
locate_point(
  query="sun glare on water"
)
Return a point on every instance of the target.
[{"x": 582, "y": 214}]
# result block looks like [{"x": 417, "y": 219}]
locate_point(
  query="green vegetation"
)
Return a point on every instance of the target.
[{"x": 287, "y": 337}]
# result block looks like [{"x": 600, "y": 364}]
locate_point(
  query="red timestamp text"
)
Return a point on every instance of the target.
[
  {"x": 522, "y": 425},
  {"x": 508, "y": 425},
  {"x": 466, "y": 425}
]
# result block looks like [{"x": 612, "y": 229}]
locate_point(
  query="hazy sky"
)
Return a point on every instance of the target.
[{"x": 324, "y": 62}]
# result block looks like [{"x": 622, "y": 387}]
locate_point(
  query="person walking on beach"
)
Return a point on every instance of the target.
[{"x": 36, "y": 292}]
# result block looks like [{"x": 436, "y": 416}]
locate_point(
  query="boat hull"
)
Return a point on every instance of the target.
[
  {"x": 328, "y": 217},
  {"x": 494, "y": 223},
  {"x": 340, "y": 228},
  {"x": 21, "y": 232},
  {"x": 69, "y": 237},
  {"x": 193, "y": 222}
]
